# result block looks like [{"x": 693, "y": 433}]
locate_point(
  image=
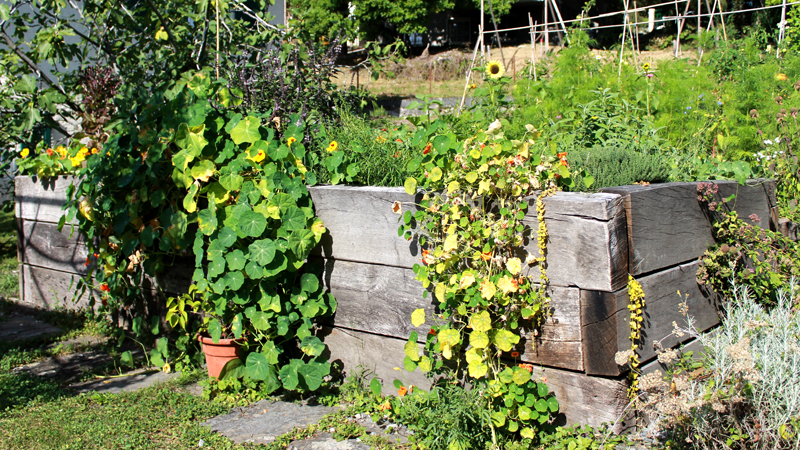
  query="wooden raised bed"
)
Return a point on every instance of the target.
[{"x": 654, "y": 232}]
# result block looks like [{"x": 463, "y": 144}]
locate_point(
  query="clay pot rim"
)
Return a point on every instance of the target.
[{"x": 207, "y": 340}]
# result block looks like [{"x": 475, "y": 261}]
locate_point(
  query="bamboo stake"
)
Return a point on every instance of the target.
[
  {"x": 624, "y": 33},
  {"x": 497, "y": 34},
  {"x": 782, "y": 28},
  {"x": 469, "y": 71},
  {"x": 533, "y": 48},
  {"x": 722, "y": 19},
  {"x": 546, "y": 29},
  {"x": 561, "y": 20},
  {"x": 682, "y": 23},
  {"x": 636, "y": 21}
]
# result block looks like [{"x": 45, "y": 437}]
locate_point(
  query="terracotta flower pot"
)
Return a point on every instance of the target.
[{"x": 217, "y": 355}]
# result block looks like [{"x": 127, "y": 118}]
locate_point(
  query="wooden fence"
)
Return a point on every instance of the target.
[{"x": 656, "y": 233}]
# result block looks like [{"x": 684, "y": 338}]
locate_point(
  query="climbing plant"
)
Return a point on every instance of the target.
[{"x": 471, "y": 225}]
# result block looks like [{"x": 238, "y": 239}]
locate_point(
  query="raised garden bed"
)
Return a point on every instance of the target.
[{"x": 655, "y": 233}]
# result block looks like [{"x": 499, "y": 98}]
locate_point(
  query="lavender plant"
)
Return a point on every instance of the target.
[{"x": 746, "y": 394}]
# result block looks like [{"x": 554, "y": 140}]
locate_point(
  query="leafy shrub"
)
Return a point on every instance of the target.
[
  {"x": 619, "y": 166},
  {"x": 447, "y": 417},
  {"x": 746, "y": 395},
  {"x": 763, "y": 259}
]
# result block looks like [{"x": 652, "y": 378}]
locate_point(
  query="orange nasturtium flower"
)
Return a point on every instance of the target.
[
  {"x": 563, "y": 157},
  {"x": 104, "y": 287},
  {"x": 402, "y": 391},
  {"x": 427, "y": 149}
]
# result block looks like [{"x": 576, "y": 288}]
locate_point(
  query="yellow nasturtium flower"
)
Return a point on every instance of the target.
[
  {"x": 25, "y": 152},
  {"x": 332, "y": 147}
]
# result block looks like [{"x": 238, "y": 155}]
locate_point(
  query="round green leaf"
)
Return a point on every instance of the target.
[
  {"x": 260, "y": 320},
  {"x": 293, "y": 219},
  {"x": 246, "y": 130},
  {"x": 262, "y": 251},
  {"x": 309, "y": 282},
  {"x": 236, "y": 260},
  {"x": 257, "y": 366},
  {"x": 312, "y": 346},
  {"x": 252, "y": 223},
  {"x": 505, "y": 340}
]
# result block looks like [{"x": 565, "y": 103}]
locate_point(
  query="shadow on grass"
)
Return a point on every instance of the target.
[{"x": 18, "y": 390}]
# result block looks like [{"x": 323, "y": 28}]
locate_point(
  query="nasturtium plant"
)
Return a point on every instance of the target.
[
  {"x": 184, "y": 177},
  {"x": 471, "y": 226}
]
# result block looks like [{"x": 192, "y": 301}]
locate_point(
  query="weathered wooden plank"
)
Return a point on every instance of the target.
[
  {"x": 362, "y": 226},
  {"x": 45, "y": 246},
  {"x": 41, "y": 200},
  {"x": 605, "y": 317},
  {"x": 667, "y": 225},
  {"x": 583, "y": 399},
  {"x": 380, "y": 299},
  {"x": 354, "y": 351},
  {"x": 52, "y": 289},
  {"x": 587, "y": 240},
  {"x": 693, "y": 346}
]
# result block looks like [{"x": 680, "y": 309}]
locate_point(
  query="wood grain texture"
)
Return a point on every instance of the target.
[
  {"x": 587, "y": 244},
  {"x": 50, "y": 289},
  {"x": 582, "y": 398},
  {"x": 380, "y": 355},
  {"x": 40, "y": 200},
  {"x": 44, "y": 246},
  {"x": 587, "y": 240},
  {"x": 361, "y": 225},
  {"x": 605, "y": 317},
  {"x": 380, "y": 299},
  {"x": 668, "y": 226}
]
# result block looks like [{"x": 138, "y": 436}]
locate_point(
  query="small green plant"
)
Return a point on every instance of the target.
[
  {"x": 619, "y": 166},
  {"x": 762, "y": 259}
]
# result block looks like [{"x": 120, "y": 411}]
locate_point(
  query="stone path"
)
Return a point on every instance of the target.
[
  {"x": 17, "y": 327},
  {"x": 260, "y": 423}
]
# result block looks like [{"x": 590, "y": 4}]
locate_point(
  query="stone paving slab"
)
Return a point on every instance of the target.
[
  {"x": 265, "y": 420},
  {"x": 325, "y": 441},
  {"x": 129, "y": 382},
  {"x": 18, "y": 327}
]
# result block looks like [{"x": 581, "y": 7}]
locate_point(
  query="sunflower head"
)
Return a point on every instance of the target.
[
  {"x": 646, "y": 67},
  {"x": 494, "y": 69}
]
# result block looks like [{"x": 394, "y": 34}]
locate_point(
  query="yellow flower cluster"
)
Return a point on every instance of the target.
[{"x": 636, "y": 308}]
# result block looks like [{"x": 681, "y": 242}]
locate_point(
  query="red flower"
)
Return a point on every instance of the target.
[
  {"x": 396, "y": 155},
  {"x": 399, "y": 140},
  {"x": 104, "y": 287},
  {"x": 432, "y": 332},
  {"x": 104, "y": 301},
  {"x": 427, "y": 149},
  {"x": 515, "y": 354},
  {"x": 49, "y": 152}
]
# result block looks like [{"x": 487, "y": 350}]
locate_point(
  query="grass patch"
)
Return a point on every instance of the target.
[{"x": 162, "y": 416}]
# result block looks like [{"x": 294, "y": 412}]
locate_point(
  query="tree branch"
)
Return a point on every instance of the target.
[
  {"x": 32, "y": 65},
  {"x": 165, "y": 25}
]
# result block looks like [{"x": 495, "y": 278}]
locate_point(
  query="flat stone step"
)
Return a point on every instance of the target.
[
  {"x": 18, "y": 327},
  {"x": 129, "y": 382},
  {"x": 263, "y": 421}
]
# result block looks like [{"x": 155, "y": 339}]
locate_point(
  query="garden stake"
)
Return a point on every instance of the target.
[{"x": 469, "y": 71}]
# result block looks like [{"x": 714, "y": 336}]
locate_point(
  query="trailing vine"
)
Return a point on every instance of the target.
[
  {"x": 636, "y": 308},
  {"x": 472, "y": 228},
  {"x": 185, "y": 176}
]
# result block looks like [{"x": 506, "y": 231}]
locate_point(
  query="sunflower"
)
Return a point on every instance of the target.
[
  {"x": 646, "y": 67},
  {"x": 494, "y": 69}
]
